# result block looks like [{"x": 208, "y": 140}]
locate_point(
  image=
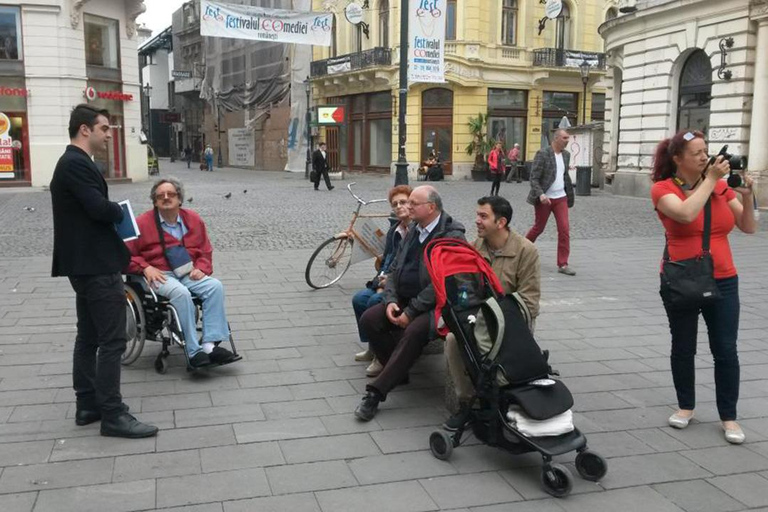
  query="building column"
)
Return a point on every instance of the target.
[{"x": 758, "y": 149}]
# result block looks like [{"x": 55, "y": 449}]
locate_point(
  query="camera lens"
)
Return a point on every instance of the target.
[
  {"x": 735, "y": 181},
  {"x": 737, "y": 162}
]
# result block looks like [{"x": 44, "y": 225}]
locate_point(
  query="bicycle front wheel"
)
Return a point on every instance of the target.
[{"x": 329, "y": 262}]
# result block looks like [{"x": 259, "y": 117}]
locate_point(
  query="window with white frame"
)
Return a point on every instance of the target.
[{"x": 509, "y": 22}]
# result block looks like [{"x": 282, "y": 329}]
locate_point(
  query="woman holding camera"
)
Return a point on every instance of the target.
[{"x": 684, "y": 181}]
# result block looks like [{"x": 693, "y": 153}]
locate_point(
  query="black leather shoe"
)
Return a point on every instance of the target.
[
  {"x": 199, "y": 360},
  {"x": 368, "y": 407},
  {"x": 220, "y": 355},
  {"x": 125, "y": 425},
  {"x": 331, "y": 187},
  {"x": 85, "y": 417}
]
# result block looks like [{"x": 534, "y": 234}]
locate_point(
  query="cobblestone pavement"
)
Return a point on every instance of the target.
[{"x": 275, "y": 432}]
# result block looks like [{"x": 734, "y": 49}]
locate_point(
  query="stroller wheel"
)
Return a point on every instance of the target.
[
  {"x": 557, "y": 480},
  {"x": 591, "y": 466},
  {"x": 441, "y": 444}
]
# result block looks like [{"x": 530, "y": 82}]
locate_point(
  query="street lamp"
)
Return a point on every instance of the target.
[
  {"x": 147, "y": 93},
  {"x": 308, "y": 121},
  {"x": 401, "y": 174},
  {"x": 584, "y": 69},
  {"x": 218, "y": 128}
]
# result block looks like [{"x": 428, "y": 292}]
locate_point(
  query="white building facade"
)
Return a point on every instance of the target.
[
  {"x": 686, "y": 64},
  {"x": 55, "y": 54}
]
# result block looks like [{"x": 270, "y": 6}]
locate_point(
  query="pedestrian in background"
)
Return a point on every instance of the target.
[
  {"x": 188, "y": 155},
  {"x": 684, "y": 183},
  {"x": 513, "y": 158},
  {"x": 209, "y": 157},
  {"x": 320, "y": 166},
  {"x": 88, "y": 250},
  {"x": 496, "y": 164},
  {"x": 552, "y": 193}
]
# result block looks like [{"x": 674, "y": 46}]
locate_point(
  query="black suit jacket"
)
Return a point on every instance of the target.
[
  {"x": 319, "y": 163},
  {"x": 85, "y": 241}
]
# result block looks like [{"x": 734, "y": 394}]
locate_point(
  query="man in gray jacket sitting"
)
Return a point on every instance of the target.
[{"x": 399, "y": 329}]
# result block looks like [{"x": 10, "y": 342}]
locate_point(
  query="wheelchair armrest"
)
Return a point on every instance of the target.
[{"x": 142, "y": 282}]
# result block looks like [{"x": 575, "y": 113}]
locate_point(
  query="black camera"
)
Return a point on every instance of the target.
[{"x": 737, "y": 163}]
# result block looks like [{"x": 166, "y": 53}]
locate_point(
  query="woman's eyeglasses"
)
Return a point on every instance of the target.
[{"x": 402, "y": 202}]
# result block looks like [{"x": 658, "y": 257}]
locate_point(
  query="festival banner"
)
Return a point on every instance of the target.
[
  {"x": 426, "y": 41},
  {"x": 6, "y": 148},
  {"x": 260, "y": 24}
]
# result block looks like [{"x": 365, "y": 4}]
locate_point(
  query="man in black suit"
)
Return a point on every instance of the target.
[
  {"x": 320, "y": 166},
  {"x": 88, "y": 250}
]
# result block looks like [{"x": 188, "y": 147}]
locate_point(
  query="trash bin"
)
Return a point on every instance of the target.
[{"x": 583, "y": 181}]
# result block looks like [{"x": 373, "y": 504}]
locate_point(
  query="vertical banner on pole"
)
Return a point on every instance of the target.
[{"x": 426, "y": 41}]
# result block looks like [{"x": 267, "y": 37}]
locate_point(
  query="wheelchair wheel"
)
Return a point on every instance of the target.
[
  {"x": 441, "y": 444},
  {"x": 329, "y": 262},
  {"x": 135, "y": 327}
]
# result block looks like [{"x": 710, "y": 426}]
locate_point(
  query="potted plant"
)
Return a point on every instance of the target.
[{"x": 480, "y": 146}]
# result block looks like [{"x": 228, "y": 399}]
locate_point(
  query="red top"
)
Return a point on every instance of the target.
[
  {"x": 685, "y": 239},
  {"x": 146, "y": 250},
  {"x": 494, "y": 161}
]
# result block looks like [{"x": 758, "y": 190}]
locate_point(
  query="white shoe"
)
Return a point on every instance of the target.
[
  {"x": 734, "y": 435},
  {"x": 678, "y": 421},
  {"x": 374, "y": 368},
  {"x": 365, "y": 355}
]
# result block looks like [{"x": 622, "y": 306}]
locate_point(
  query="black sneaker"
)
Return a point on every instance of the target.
[
  {"x": 368, "y": 407},
  {"x": 331, "y": 187},
  {"x": 455, "y": 422},
  {"x": 199, "y": 360},
  {"x": 220, "y": 355}
]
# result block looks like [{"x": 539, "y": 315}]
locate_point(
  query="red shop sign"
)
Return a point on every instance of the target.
[
  {"x": 91, "y": 94},
  {"x": 13, "y": 91}
]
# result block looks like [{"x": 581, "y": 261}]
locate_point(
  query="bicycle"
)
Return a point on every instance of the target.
[{"x": 333, "y": 257}]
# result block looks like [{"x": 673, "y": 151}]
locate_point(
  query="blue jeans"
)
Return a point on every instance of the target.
[
  {"x": 211, "y": 292},
  {"x": 722, "y": 319},
  {"x": 209, "y": 162},
  {"x": 363, "y": 300}
]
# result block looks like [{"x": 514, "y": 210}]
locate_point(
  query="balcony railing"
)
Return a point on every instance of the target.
[
  {"x": 559, "y": 58},
  {"x": 374, "y": 57}
]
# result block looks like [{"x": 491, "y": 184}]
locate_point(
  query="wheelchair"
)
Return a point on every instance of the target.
[{"x": 150, "y": 316}]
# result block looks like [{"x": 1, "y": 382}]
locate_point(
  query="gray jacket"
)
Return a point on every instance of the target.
[
  {"x": 543, "y": 175},
  {"x": 425, "y": 300}
]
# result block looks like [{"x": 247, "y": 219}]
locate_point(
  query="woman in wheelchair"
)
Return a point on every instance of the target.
[{"x": 174, "y": 255}]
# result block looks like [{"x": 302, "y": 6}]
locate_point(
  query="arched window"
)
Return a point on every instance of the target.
[
  {"x": 563, "y": 29},
  {"x": 695, "y": 93},
  {"x": 384, "y": 23}
]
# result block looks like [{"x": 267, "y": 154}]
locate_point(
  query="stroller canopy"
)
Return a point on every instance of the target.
[{"x": 445, "y": 257}]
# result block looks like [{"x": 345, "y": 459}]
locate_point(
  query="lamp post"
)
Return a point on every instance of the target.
[
  {"x": 584, "y": 69},
  {"x": 147, "y": 93},
  {"x": 218, "y": 128},
  {"x": 401, "y": 174},
  {"x": 308, "y": 121}
]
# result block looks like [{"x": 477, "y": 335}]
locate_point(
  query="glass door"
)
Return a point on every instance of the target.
[{"x": 438, "y": 138}]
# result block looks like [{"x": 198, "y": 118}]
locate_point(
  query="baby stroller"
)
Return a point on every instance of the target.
[{"x": 509, "y": 371}]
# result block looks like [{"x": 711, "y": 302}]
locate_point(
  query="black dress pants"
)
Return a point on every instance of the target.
[
  {"x": 397, "y": 349},
  {"x": 100, "y": 342},
  {"x": 324, "y": 174}
]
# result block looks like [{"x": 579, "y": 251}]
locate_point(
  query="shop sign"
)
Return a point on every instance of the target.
[
  {"x": 553, "y": 8},
  {"x": 339, "y": 64},
  {"x": 426, "y": 33},
  {"x": 330, "y": 115},
  {"x": 260, "y": 24},
  {"x": 354, "y": 13},
  {"x": 170, "y": 117},
  {"x": 181, "y": 74},
  {"x": 91, "y": 94},
  {"x": 13, "y": 91},
  {"x": 6, "y": 148}
]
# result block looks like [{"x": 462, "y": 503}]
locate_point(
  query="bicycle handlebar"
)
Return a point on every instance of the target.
[{"x": 361, "y": 200}]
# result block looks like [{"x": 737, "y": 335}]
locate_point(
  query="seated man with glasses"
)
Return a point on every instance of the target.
[
  {"x": 374, "y": 291},
  {"x": 182, "y": 231},
  {"x": 399, "y": 329}
]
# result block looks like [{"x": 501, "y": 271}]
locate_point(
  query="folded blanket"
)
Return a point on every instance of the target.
[{"x": 554, "y": 426}]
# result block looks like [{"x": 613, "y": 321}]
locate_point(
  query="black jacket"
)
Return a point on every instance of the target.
[
  {"x": 543, "y": 173},
  {"x": 319, "y": 163},
  {"x": 425, "y": 300},
  {"x": 85, "y": 241}
]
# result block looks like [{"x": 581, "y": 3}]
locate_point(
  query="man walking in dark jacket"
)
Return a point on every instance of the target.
[
  {"x": 88, "y": 250},
  {"x": 399, "y": 329},
  {"x": 320, "y": 166}
]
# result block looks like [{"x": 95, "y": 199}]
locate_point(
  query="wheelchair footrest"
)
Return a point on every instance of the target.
[{"x": 237, "y": 357}]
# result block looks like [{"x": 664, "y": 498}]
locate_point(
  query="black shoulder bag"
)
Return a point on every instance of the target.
[
  {"x": 690, "y": 283},
  {"x": 178, "y": 257}
]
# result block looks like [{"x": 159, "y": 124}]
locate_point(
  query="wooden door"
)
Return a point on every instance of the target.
[{"x": 332, "y": 133}]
